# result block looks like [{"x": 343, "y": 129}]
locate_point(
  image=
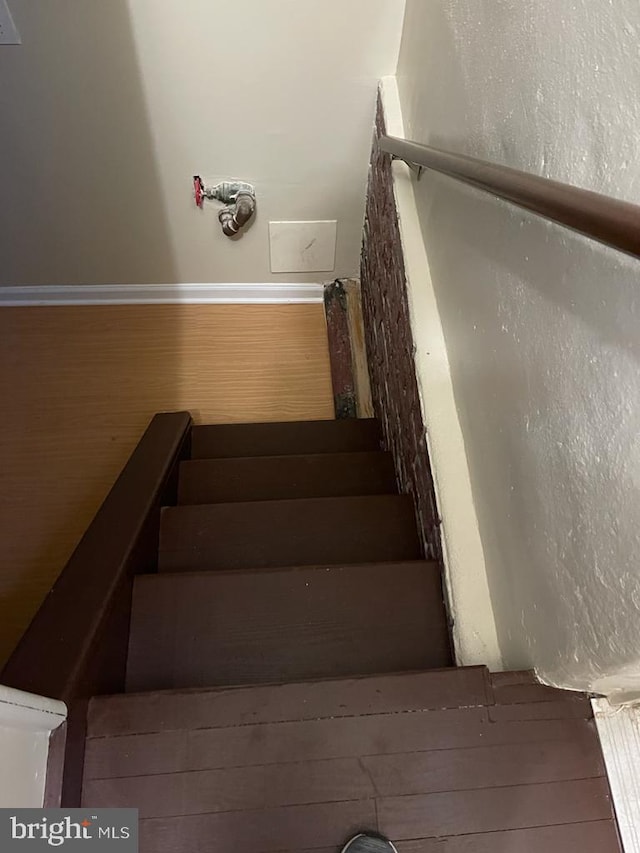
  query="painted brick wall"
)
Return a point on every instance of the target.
[{"x": 390, "y": 347}]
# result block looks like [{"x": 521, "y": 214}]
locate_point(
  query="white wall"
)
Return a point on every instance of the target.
[
  {"x": 110, "y": 108},
  {"x": 542, "y": 326},
  {"x": 26, "y": 723}
]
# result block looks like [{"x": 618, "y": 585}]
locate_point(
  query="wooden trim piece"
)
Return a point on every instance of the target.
[
  {"x": 619, "y": 730},
  {"x": 465, "y": 575},
  {"x": 359, "y": 362},
  {"x": 76, "y": 645},
  {"x": 608, "y": 220},
  {"x": 347, "y": 349},
  {"x": 20, "y": 710},
  {"x": 54, "y": 776},
  {"x": 335, "y": 306},
  {"x": 215, "y": 293}
]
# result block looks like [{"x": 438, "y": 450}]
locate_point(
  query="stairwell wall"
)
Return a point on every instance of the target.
[
  {"x": 541, "y": 325},
  {"x": 111, "y": 108}
]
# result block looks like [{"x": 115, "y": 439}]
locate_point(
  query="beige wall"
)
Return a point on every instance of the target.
[
  {"x": 111, "y": 107},
  {"x": 541, "y": 326},
  {"x": 79, "y": 385}
]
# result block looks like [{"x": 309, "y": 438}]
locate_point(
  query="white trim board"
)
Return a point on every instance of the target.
[
  {"x": 475, "y": 637},
  {"x": 161, "y": 294},
  {"x": 619, "y": 730},
  {"x": 20, "y": 710}
]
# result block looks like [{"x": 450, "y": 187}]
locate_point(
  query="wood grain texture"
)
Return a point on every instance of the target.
[
  {"x": 312, "y": 740},
  {"x": 79, "y": 385},
  {"x": 273, "y": 534},
  {"x": 317, "y": 475},
  {"x": 596, "y": 836},
  {"x": 236, "y": 769},
  {"x": 218, "y": 628},
  {"x": 76, "y": 645},
  {"x": 224, "y": 441},
  {"x": 335, "y": 304},
  {"x": 495, "y": 809},
  {"x": 359, "y": 361},
  {"x": 338, "y": 779},
  {"x": 124, "y": 714},
  {"x": 258, "y": 831}
]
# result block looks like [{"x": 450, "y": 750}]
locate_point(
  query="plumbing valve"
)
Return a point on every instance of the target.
[{"x": 238, "y": 197}]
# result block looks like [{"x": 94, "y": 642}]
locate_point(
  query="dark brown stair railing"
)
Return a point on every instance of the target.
[
  {"x": 610, "y": 221},
  {"x": 76, "y": 645}
]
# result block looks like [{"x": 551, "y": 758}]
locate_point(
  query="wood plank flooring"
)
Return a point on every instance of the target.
[{"x": 449, "y": 760}]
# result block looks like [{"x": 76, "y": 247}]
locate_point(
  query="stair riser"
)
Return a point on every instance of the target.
[
  {"x": 271, "y": 534},
  {"x": 239, "y": 440},
  {"x": 195, "y": 630},
  {"x": 286, "y": 477}
]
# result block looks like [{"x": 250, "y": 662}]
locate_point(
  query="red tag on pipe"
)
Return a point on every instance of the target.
[{"x": 198, "y": 190}]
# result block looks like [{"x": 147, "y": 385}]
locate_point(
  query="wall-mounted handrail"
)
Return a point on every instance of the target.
[{"x": 610, "y": 221}]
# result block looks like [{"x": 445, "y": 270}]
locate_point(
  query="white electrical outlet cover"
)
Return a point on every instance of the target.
[
  {"x": 8, "y": 31},
  {"x": 303, "y": 246}
]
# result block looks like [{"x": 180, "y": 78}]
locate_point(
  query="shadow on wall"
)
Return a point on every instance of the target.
[
  {"x": 78, "y": 172},
  {"x": 80, "y": 202}
]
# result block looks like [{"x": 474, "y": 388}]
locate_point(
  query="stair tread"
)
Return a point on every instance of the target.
[
  {"x": 300, "y": 766},
  {"x": 271, "y": 439},
  {"x": 200, "y": 629},
  {"x": 259, "y": 478},
  {"x": 199, "y": 707},
  {"x": 284, "y": 704},
  {"x": 272, "y": 534}
]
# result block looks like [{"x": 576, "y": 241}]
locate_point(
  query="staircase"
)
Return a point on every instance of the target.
[
  {"x": 286, "y": 566},
  {"x": 289, "y": 677}
]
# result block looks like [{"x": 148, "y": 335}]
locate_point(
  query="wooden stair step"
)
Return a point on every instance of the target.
[
  {"x": 261, "y": 478},
  {"x": 202, "y": 629},
  {"x": 275, "y": 439},
  {"x": 327, "y": 737},
  {"x": 272, "y": 534},
  {"x": 436, "y": 689},
  {"x": 300, "y": 767},
  {"x": 168, "y": 710},
  {"x": 344, "y": 779}
]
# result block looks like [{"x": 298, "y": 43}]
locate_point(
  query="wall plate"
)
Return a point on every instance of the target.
[{"x": 303, "y": 246}]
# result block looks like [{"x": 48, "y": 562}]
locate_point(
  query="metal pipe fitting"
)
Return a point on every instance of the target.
[
  {"x": 238, "y": 196},
  {"x": 233, "y": 218}
]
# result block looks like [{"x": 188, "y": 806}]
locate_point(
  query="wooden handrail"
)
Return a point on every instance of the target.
[
  {"x": 76, "y": 645},
  {"x": 610, "y": 221}
]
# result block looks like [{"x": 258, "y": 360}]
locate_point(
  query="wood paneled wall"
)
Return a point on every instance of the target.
[{"x": 79, "y": 385}]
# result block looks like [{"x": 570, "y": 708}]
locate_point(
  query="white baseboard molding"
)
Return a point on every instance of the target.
[
  {"x": 161, "y": 294},
  {"x": 619, "y": 730}
]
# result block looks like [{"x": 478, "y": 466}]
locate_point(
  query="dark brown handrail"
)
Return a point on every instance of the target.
[
  {"x": 76, "y": 645},
  {"x": 610, "y": 221}
]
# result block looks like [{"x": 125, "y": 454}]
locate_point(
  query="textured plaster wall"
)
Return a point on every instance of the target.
[{"x": 542, "y": 327}]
